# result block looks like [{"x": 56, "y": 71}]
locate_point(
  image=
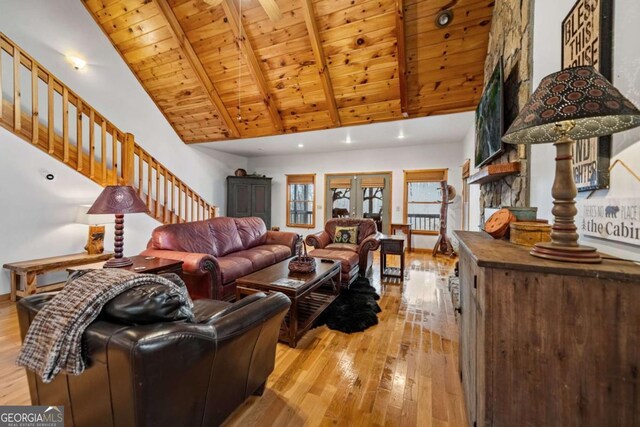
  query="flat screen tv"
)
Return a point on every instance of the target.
[{"x": 490, "y": 119}]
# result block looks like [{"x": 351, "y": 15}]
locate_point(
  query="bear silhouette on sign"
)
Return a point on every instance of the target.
[{"x": 611, "y": 211}]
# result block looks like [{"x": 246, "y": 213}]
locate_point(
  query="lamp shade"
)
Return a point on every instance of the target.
[
  {"x": 118, "y": 199},
  {"x": 580, "y": 95},
  {"x": 82, "y": 217}
]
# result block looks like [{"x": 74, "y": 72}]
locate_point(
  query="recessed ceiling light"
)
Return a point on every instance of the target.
[
  {"x": 401, "y": 135},
  {"x": 300, "y": 145},
  {"x": 444, "y": 18},
  {"x": 348, "y": 140},
  {"x": 77, "y": 62}
]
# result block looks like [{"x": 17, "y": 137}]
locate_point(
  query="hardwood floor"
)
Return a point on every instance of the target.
[{"x": 402, "y": 372}]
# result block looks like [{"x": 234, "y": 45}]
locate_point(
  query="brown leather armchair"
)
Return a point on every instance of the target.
[
  {"x": 169, "y": 373},
  {"x": 368, "y": 241},
  {"x": 218, "y": 251}
]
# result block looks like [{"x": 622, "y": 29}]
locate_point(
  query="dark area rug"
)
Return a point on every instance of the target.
[{"x": 354, "y": 310}]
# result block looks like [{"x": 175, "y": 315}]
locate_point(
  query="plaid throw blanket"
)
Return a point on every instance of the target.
[{"x": 53, "y": 342}]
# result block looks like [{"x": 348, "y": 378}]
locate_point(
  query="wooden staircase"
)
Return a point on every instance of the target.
[{"x": 86, "y": 141}]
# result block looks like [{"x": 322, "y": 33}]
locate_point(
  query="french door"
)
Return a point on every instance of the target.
[{"x": 359, "y": 195}]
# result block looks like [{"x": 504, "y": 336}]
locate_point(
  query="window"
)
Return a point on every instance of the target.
[
  {"x": 422, "y": 199},
  {"x": 301, "y": 199}
]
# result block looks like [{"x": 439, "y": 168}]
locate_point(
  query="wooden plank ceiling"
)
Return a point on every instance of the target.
[{"x": 218, "y": 69}]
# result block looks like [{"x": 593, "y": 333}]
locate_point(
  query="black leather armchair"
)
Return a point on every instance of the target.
[{"x": 170, "y": 373}]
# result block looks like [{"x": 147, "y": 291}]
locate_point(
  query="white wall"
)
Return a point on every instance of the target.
[
  {"x": 36, "y": 216},
  {"x": 425, "y": 156},
  {"x": 468, "y": 152},
  {"x": 626, "y": 77}
]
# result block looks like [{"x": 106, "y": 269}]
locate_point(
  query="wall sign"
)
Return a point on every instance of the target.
[
  {"x": 611, "y": 219},
  {"x": 587, "y": 40}
]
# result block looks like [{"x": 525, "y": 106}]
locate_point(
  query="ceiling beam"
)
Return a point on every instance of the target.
[
  {"x": 272, "y": 9},
  {"x": 189, "y": 53},
  {"x": 321, "y": 62},
  {"x": 252, "y": 62},
  {"x": 402, "y": 58}
]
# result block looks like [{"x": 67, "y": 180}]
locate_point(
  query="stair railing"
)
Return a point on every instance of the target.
[{"x": 43, "y": 111}]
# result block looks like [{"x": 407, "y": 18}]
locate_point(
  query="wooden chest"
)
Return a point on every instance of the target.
[{"x": 547, "y": 343}]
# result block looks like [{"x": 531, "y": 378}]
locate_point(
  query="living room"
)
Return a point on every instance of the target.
[{"x": 383, "y": 95}]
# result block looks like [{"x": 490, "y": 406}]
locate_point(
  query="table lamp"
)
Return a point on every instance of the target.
[
  {"x": 95, "y": 240},
  {"x": 118, "y": 200},
  {"x": 575, "y": 103}
]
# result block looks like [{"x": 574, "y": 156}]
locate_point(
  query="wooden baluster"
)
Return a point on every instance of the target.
[
  {"x": 65, "y": 124},
  {"x": 103, "y": 154},
  {"x": 50, "y": 119},
  {"x": 165, "y": 203},
  {"x": 17, "y": 125},
  {"x": 79, "y": 149},
  {"x": 157, "y": 191},
  {"x": 140, "y": 172},
  {"x": 92, "y": 147},
  {"x": 127, "y": 154},
  {"x": 179, "y": 202},
  {"x": 173, "y": 197},
  {"x": 191, "y": 217},
  {"x": 149, "y": 180},
  {"x": 35, "y": 122},
  {"x": 114, "y": 156}
]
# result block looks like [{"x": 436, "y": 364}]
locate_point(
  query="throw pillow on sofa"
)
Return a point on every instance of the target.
[{"x": 346, "y": 235}]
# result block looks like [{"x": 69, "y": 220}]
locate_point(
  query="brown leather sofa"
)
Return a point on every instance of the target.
[
  {"x": 168, "y": 373},
  {"x": 218, "y": 251},
  {"x": 355, "y": 258}
]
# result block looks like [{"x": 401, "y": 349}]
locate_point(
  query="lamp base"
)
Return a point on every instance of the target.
[
  {"x": 583, "y": 254},
  {"x": 118, "y": 263}
]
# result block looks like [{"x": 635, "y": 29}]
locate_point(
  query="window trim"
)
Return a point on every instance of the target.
[
  {"x": 421, "y": 175},
  {"x": 312, "y": 180}
]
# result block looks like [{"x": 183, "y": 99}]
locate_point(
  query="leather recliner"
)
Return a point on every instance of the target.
[
  {"x": 368, "y": 241},
  {"x": 169, "y": 373}
]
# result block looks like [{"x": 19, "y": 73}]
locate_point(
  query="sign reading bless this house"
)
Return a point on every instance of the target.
[
  {"x": 585, "y": 31},
  {"x": 612, "y": 219}
]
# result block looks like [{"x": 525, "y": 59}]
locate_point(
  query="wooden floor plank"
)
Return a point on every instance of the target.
[{"x": 401, "y": 372}]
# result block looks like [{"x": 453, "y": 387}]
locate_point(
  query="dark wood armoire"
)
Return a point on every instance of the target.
[{"x": 249, "y": 196}]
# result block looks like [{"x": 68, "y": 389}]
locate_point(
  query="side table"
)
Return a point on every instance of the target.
[
  {"x": 28, "y": 271},
  {"x": 406, "y": 229},
  {"x": 392, "y": 245},
  {"x": 141, "y": 264}
]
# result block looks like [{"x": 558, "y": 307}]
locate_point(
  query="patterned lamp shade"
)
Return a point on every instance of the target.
[
  {"x": 579, "y": 96},
  {"x": 118, "y": 199}
]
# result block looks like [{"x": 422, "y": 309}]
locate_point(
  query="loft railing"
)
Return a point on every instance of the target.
[{"x": 39, "y": 108}]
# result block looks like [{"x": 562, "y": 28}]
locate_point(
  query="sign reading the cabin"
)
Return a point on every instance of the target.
[
  {"x": 586, "y": 40},
  {"x": 611, "y": 219}
]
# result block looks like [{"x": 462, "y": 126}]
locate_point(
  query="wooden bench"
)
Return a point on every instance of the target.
[{"x": 27, "y": 272}]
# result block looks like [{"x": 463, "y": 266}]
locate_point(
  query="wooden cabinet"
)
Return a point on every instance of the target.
[
  {"x": 249, "y": 196},
  {"x": 544, "y": 342}
]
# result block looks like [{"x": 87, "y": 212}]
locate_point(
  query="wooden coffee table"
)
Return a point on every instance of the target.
[{"x": 310, "y": 293}]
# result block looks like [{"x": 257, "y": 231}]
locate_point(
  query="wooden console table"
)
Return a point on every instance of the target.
[
  {"x": 545, "y": 342},
  {"x": 27, "y": 272}
]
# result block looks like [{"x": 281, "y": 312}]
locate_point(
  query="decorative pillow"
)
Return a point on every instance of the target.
[
  {"x": 346, "y": 235},
  {"x": 152, "y": 303}
]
